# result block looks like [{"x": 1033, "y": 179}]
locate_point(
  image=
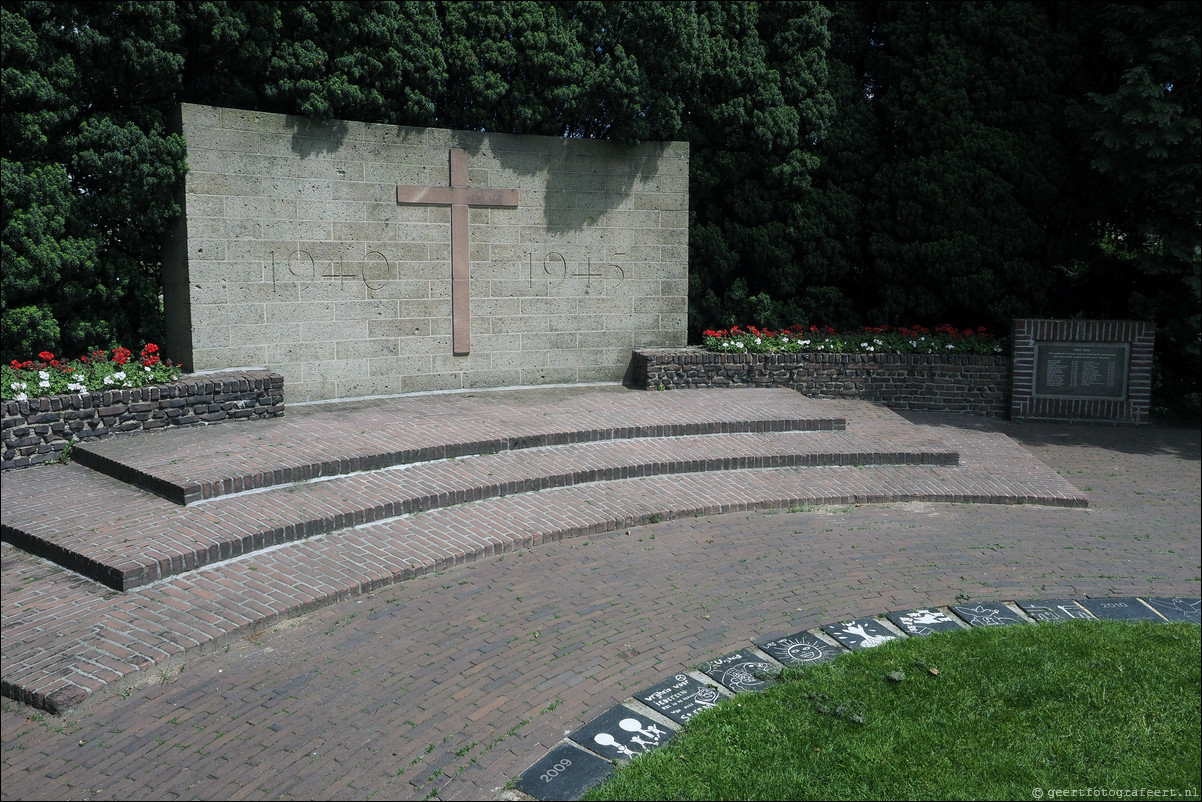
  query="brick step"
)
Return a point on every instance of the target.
[
  {"x": 326, "y": 440},
  {"x": 133, "y": 537},
  {"x": 65, "y": 638}
]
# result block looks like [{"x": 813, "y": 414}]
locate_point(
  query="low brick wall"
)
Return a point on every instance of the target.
[
  {"x": 38, "y": 430},
  {"x": 979, "y": 385}
]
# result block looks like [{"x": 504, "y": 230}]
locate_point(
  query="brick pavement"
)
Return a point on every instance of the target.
[{"x": 455, "y": 681}]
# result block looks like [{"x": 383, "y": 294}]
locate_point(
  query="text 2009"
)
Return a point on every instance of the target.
[{"x": 554, "y": 771}]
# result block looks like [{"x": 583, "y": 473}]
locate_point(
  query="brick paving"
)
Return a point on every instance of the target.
[
  {"x": 136, "y": 537},
  {"x": 524, "y": 617},
  {"x": 329, "y": 439}
]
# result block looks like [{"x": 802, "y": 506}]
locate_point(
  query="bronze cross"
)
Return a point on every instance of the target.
[{"x": 460, "y": 197}]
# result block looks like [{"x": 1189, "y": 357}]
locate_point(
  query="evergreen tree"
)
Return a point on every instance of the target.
[
  {"x": 866, "y": 162},
  {"x": 761, "y": 105},
  {"x": 972, "y": 185},
  {"x": 1140, "y": 126},
  {"x": 89, "y": 171}
]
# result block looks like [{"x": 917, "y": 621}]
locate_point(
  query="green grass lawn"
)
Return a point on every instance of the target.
[{"x": 990, "y": 713}]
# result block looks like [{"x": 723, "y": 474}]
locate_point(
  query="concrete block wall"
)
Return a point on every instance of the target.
[{"x": 294, "y": 255}]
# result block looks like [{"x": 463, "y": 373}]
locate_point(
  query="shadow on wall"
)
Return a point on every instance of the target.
[
  {"x": 585, "y": 178},
  {"x": 310, "y": 137}
]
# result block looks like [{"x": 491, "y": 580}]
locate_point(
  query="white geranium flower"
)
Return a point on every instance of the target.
[
  {"x": 44, "y": 383},
  {"x": 43, "y": 374}
]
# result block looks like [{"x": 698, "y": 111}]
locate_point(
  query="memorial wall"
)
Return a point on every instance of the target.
[{"x": 362, "y": 259}]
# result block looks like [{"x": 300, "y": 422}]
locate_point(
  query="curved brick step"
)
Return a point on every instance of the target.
[
  {"x": 64, "y": 638},
  {"x": 132, "y": 537},
  {"x": 338, "y": 439}
]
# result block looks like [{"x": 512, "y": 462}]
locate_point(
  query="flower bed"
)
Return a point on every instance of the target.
[
  {"x": 97, "y": 371},
  {"x": 943, "y": 339}
]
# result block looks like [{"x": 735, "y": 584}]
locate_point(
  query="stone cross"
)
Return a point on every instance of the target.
[{"x": 460, "y": 197}]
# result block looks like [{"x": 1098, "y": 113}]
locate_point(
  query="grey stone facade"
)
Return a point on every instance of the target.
[{"x": 294, "y": 255}]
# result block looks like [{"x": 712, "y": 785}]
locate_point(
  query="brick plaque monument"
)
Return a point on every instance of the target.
[
  {"x": 1088, "y": 370},
  {"x": 363, "y": 259}
]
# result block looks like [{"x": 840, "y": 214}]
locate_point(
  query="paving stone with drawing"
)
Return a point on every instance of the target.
[
  {"x": 741, "y": 671},
  {"x": 923, "y": 621},
  {"x": 800, "y": 649},
  {"x": 681, "y": 697},
  {"x": 861, "y": 633},
  {"x": 621, "y": 734},
  {"x": 1054, "y": 609},
  {"x": 987, "y": 614},
  {"x": 1178, "y": 609}
]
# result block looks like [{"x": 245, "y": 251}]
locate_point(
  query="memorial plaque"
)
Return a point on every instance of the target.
[
  {"x": 565, "y": 773},
  {"x": 621, "y": 734},
  {"x": 681, "y": 697},
  {"x": 1081, "y": 370},
  {"x": 741, "y": 671},
  {"x": 994, "y": 614},
  {"x": 1120, "y": 609},
  {"x": 802, "y": 649},
  {"x": 1054, "y": 610},
  {"x": 862, "y": 633},
  {"x": 923, "y": 621},
  {"x": 1177, "y": 609}
]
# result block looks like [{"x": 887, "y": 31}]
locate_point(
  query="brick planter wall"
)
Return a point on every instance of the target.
[
  {"x": 953, "y": 383},
  {"x": 38, "y": 430}
]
